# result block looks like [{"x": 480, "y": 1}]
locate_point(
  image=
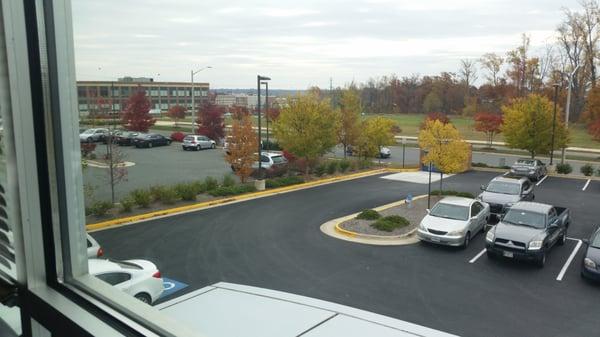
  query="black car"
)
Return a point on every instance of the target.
[
  {"x": 590, "y": 265},
  {"x": 126, "y": 138},
  {"x": 151, "y": 140}
]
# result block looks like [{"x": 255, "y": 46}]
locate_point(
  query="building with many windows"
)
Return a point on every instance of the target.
[{"x": 93, "y": 96}]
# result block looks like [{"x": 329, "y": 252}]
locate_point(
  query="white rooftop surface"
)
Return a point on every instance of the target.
[
  {"x": 226, "y": 309},
  {"x": 420, "y": 177}
]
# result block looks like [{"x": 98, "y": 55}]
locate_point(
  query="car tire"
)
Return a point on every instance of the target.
[
  {"x": 149, "y": 144},
  {"x": 541, "y": 261},
  {"x": 213, "y": 146},
  {"x": 198, "y": 147},
  {"x": 144, "y": 298},
  {"x": 467, "y": 240},
  {"x": 563, "y": 239}
]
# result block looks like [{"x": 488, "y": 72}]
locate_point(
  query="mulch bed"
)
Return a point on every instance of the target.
[{"x": 414, "y": 215}]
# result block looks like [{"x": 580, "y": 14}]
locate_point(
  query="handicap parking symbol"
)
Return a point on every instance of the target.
[{"x": 171, "y": 286}]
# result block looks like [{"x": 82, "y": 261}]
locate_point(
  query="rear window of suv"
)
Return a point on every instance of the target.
[
  {"x": 278, "y": 159},
  {"x": 189, "y": 138}
]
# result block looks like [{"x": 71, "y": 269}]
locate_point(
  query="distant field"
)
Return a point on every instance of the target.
[{"x": 410, "y": 123}]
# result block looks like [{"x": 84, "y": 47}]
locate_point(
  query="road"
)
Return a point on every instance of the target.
[{"x": 275, "y": 243}]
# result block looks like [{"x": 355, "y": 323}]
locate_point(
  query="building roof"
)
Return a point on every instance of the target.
[{"x": 144, "y": 84}]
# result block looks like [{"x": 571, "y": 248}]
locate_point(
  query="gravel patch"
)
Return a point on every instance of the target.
[{"x": 414, "y": 215}]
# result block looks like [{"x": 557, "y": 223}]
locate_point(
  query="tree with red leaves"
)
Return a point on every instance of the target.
[
  {"x": 136, "y": 116},
  {"x": 211, "y": 121},
  {"x": 488, "y": 123},
  {"x": 273, "y": 113},
  {"x": 436, "y": 116},
  {"x": 594, "y": 129},
  {"x": 176, "y": 112}
]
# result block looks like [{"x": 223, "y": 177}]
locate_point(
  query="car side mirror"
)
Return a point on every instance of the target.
[
  {"x": 482, "y": 187},
  {"x": 586, "y": 242},
  {"x": 428, "y": 211},
  {"x": 474, "y": 217}
]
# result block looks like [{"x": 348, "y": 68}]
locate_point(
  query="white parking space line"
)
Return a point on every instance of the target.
[
  {"x": 541, "y": 181},
  {"x": 569, "y": 260},
  {"x": 477, "y": 256},
  {"x": 586, "y": 184}
]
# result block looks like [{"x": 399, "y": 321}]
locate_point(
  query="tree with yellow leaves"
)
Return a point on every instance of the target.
[
  {"x": 242, "y": 147},
  {"x": 444, "y": 147},
  {"x": 528, "y": 125},
  {"x": 375, "y": 133},
  {"x": 307, "y": 127}
]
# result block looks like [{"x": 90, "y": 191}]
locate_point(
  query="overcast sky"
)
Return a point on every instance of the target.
[{"x": 299, "y": 43}]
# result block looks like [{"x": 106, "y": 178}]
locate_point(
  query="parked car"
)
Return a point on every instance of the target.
[
  {"x": 197, "y": 142},
  {"x": 93, "y": 135},
  {"x": 590, "y": 264},
  {"x": 504, "y": 191},
  {"x": 528, "y": 231},
  {"x": 454, "y": 221},
  {"x": 93, "y": 248},
  {"x": 273, "y": 164},
  {"x": 151, "y": 140},
  {"x": 126, "y": 138},
  {"x": 384, "y": 152},
  {"x": 531, "y": 168},
  {"x": 112, "y": 133},
  {"x": 138, "y": 278}
]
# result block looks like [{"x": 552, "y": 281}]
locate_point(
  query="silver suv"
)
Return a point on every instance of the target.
[
  {"x": 197, "y": 142},
  {"x": 93, "y": 135},
  {"x": 504, "y": 191}
]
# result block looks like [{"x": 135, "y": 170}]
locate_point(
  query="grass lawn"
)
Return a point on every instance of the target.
[{"x": 410, "y": 123}]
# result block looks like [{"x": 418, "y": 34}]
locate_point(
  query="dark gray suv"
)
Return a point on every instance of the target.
[{"x": 504, "y": 191}]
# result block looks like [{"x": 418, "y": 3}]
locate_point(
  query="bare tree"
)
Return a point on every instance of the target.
[
  {"x": 468, "y": 73},
  {"x": 492, "y": 63},
  {"x": 589, "y": 21}
]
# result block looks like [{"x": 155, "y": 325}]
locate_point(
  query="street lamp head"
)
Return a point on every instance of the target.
[{"x": 263, "y": 78}]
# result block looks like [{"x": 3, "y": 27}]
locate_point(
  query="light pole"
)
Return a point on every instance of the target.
[
  {"x": 267, "y": 112},
  {"x": 553, "y": 123},
  {"x": 258, "y": 79},
  {"x": 426, "y": 152},
  {"x": 192, "y": 72},
  {"x": 562, "y": 159}
]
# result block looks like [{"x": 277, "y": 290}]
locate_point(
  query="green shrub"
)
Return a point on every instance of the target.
[
  {"x": 272, "y": 183},
  {"x": 364, "y": 164},
  {"x": 389, "y": 223},
  {"x": 283, "y": 181},
  {"x": 100, "y": 208},
  {"x": 127, "y": 204},
  {"x": 185, "y": 191},
  {"x": 320, "y": 169},
  {"x": 141, "y": 197},
  {"x": 454, "y": 193},
  {"x": 332, "y": 167},
  {"x": 164, "y": 194},
  {"x": 368, "y": 214},
  {"x": 223, "y": 191},
  {"x": 564, "y": 168},
  {"x": 598, "y": 172},
  {"x": 344, "y": 165},
  {"x": 210, "y": 183},
  {"x": 587, "y": 170},
  {"x": 198, "y": 186},
  {"x": 228, "y": 180}
]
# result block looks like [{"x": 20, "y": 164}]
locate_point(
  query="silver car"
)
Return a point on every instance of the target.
[
  {"x": 454, "y": 221},
  {"x": 197, "y": 142},
  {"x": 531, "y": 168}
]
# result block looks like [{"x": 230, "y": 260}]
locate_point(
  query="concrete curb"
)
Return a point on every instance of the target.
[
  {"x": 237, "y": 198},
  {"x": 333, "y": 229}
]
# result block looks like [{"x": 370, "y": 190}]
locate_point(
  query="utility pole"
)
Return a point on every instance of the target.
[
  {"x": 553, "y": 123},
  {"x": 258, "y": 79},
  {"x": 267, "y": 112},
  {"x": 192, "y": 72},
  {"x": 568, "y": 108}
]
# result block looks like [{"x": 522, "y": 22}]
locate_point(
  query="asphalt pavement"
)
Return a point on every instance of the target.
[{"x": 275, "y": 242}]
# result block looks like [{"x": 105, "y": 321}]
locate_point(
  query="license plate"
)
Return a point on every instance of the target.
[
  {"x": 435, "y": 239},
  {"x": 507, "y": 254}
]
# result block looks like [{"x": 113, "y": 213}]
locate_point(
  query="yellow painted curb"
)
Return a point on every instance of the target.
[
  {"x": 212, "y": 203},
  {"x": 378, "y": 209}
]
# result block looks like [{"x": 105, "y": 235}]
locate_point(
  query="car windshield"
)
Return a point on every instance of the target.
[
  {"x": 449, "y": 211},
  {"x": 525, "y": 218},
  {"x": 278, "y": 159},
  {"x": 189, "y": 138},
  {"x": 88, "y": 131},
  {"x": 503, "y": 187},
  {"x": 595, "y": 241},
  {"x": 525, "y": 162}
]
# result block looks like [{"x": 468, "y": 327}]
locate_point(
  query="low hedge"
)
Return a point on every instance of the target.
[
  {"x": 389, "y": 223},
  {"x": 587, "y": 170},
  {"x": 454, "y": 193},
  {"x": 223, "y": 191},
  {"x": 283, "y": 181},
  {"x": 368, "y": 214}
]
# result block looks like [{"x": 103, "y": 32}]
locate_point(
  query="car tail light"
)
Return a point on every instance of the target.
[
  {"x": 193, "y": 142},
  {"x": 100, "y": 252},
  {"x": 157, "y": 274}
]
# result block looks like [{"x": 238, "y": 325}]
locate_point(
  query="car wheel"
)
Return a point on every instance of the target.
[
  {"x": 213, "y": 146},
  {"x": 563, "y": 239},
  {"x": 149, "y": 145},
  {"x": 467, "y": 240},
  {"x": 198, "y": 148},
  {"x": 144, "y": 298},
  {"x": 541, "y": 262}
]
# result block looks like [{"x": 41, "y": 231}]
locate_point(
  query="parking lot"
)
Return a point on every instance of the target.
[{"x": 275, "y": 243}]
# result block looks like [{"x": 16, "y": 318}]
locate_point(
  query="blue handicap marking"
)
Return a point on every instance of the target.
[{"x": 171, "y": 286}]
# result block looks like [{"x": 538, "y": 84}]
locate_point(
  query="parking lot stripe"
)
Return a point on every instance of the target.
[
  {"x": 477, "y": 256},
  {"x": 541, "y": 181},
  {"x": 586, "y": 184},
  {"x": 569, "y": 260}
]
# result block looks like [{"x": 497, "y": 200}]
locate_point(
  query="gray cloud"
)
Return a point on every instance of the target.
[{"x": 299, "y": 43}]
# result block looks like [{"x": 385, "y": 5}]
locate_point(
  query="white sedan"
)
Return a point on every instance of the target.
[
  {"x": 138, "y": 278},
  {"x": 454, "y": 221}
]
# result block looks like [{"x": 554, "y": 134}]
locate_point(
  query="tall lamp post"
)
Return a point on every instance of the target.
[
  {"x": 267, "y": 112},
  {"x": 426, "y": 152},
  {"x": 258, "y": 81},
  {"x": 562, "y": 159},
  {"x": 192, "y": 72},
  {"x": 555, "y": 85}
]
